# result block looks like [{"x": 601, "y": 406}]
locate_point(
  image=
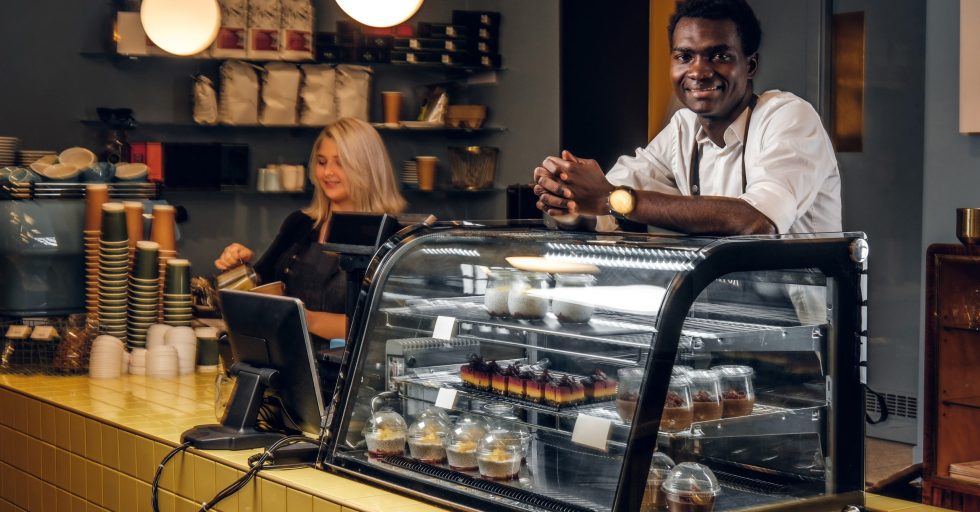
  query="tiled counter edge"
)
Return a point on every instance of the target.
[{"x": 79, "y": 445}]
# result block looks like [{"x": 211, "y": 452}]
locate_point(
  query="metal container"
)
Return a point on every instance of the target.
[
  {"x": 242, "y": 278},
  {"x": 968, "y": 225},
  {"x": 472, "y": 167}
]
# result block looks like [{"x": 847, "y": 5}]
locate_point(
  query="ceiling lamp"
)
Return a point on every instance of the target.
[
  {"x": 380, "y": 13},
  {"x": 181, "y": 27}
]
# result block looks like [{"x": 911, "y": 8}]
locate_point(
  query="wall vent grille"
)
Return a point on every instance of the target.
[{"x": 898, "y": 405}]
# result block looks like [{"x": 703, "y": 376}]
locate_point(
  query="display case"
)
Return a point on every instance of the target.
[{"x": 518, "y": 368}]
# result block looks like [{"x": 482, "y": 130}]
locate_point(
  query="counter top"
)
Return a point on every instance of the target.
[
  {"x": 155, "y": 412},
  {"x": 144, "y": 417}
]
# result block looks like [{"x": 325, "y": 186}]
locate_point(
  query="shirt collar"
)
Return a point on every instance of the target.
[{"x": 733, "y": 133}]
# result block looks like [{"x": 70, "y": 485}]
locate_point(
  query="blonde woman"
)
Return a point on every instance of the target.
[{"x": 351, "y": 172}]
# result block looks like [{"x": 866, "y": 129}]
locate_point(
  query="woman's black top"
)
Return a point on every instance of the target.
[{"x": 309, "y": 274}]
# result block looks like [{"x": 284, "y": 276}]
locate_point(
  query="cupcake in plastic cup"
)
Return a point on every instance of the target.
[
  {"x": 385, "y": 434},
  {"x": 498, "y": 456},
  {"x": 461, "y": 445},
  {"x": 654, "y": 497},
  {"x": 425, "y": 439},
  {"x": 691, "y": 487}
]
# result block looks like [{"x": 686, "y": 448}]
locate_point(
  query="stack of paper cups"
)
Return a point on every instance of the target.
[
  {"x": 184, "y": 341},
  {"x": 106, "y": 357},
  {"x": 161, "y": 362}
]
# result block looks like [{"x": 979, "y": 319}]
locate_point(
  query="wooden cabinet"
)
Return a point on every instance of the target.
[{"x": 952, "y": 374}]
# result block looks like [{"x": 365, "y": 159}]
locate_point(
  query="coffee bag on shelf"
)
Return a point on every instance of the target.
[
  {"x": 264, "y": 20},
  {"x": 353, "y": 90},
  {"x": 233, "y": 34},
  {"x": 296, "y": 40},
  {"x": 318, "y": 106},
  {"x": 239, "y": 100},
  {"x": 205, "y": 101},
  {"x": 280, "y": 93}
]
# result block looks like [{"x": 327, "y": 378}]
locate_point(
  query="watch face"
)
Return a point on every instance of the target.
[{"x": 621, "y": 201}]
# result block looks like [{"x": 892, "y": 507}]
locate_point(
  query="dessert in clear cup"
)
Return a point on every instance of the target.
[
  {"x": 737, "y": 393},
  {"x": 706, "y": 394},
  {"x": 506, "y": 426},
  {"x": 520, "y": 302},
  {"x": 628, "y": 392},
  {"x": 691, "y": 487},
  {"x": 498, "y": 288},
  {"x": 653, "y": 496},
  {"x": 426, "y": 437},
  {"x": 461, "y": 444},
  {"x": 385, "y": 434},
  {"x": 677, "y": 413},
  {"x": 572, "y": 312},
  {"x": 498, "y": 457}
]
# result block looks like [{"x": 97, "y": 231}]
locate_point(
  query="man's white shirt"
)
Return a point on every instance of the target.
[{"x": 791, "y": 171}]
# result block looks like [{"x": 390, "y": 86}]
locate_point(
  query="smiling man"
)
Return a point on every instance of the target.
[{"x": 731, "y": 162}]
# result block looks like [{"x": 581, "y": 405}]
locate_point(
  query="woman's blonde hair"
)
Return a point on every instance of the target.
[{"x": 370, "y": 178}]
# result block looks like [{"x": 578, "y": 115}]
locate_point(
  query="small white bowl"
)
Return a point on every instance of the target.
[{"x": 81, "y": 158}]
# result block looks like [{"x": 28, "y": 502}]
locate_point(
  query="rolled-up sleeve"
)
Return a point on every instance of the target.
[
  {"x": 650, "y": 167},
  {"x": 793, "y": 158}
]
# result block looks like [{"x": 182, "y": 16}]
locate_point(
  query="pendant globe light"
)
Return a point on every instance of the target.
[
  {"x": 380, "y": 13},
  {"x": 181, "y": 27}
]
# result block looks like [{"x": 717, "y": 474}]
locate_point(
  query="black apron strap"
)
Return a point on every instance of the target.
[{"x": 694, "y": 178}]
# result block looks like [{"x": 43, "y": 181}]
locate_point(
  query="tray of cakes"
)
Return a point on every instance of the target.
[{"x": 534, "y": 385}]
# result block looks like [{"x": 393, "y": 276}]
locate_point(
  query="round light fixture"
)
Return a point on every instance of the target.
[
  {"x": 181, "y": 27},
  {"x": 380, "y": 13}
]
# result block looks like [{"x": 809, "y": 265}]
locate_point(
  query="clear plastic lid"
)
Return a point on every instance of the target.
[
  {"x": 466, "y": 434},
  {"x": 680, "y": 369},
  {"x": 386, "y": 422},
  {"x": 691, "y": 479},
  {"x": 429, "y": 428},
  {"x": 701, "y": 377},
  {"x": 680, "y": 381},
  {"x": 437, "y": 412},
  {"x": 470, "y": 420},
  {"x": 732, "y": 371},
  {"x": 501, "y": 441},
  {"x": 660, "y": 465}
]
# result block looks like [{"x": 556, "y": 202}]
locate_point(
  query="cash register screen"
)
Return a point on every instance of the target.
[{"x": 266, "y": 331}]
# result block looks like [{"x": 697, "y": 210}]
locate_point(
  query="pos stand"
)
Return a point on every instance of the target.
[{"x": 237, "y": 429}]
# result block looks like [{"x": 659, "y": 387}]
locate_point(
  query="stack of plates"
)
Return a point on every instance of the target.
[
  {"x": 8, "y": 151},
  {"x": 113, "y": 278},
  {"x": 27, "y": 157},
  {"x": 410, "y": 173}
]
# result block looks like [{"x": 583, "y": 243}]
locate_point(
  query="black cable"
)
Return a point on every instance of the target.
[
  {"x": 259, "y": 465},
  {"x": 154, "y": 490}
]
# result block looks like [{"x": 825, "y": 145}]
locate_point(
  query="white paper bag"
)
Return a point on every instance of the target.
[
  {"x": 263, "y": 29},
  {"x": 318, "y": 102},
  {"x": 280, "y": 93},
  {"x": 233, "y": 34},
  {"x": 353, "y": 90},
  {"x": 296, "y": 40},
  {"x": 205, "y": 101},
  {"x": 239, "y": 104}
]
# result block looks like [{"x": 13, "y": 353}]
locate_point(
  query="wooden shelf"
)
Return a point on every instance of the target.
[
  {"x": 423, "y": 66},
  {"x": 298, "y": 128}
]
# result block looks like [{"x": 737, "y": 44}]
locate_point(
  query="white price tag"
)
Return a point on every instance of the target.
[
  {"x": 444, "y": 328},
  {"x": 591, "y": 431},
  {"x": 446, "y": 398}
]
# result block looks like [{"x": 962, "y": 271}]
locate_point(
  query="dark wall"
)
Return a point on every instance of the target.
[
  {"x": 47, "y": 87},
  {"x": 604, "y": 78}
]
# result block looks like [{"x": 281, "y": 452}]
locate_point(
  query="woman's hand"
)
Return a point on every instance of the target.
[{"x": 233, "y": 255}]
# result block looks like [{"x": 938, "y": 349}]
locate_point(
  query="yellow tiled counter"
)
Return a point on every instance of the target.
[{"x": 80, "y": 445}]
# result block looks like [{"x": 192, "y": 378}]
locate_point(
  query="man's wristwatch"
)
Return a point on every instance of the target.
[{"x": 621, "y": 201}]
